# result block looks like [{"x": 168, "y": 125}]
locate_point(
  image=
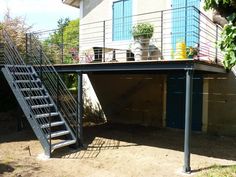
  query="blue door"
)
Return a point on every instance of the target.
[
  {"x": 122, "y": 20},
  {"x": 185, "y": 22},
  {"x": 175, "y": 110}
]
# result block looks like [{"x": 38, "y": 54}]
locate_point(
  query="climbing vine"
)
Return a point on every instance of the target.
[{"x": 225, "y": 10}]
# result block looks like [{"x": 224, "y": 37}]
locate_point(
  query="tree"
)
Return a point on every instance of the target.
[
  {"x": 225, "y": 16},
  {"x": 16, "y": 28},
  {"x": 65, "y": 39}
]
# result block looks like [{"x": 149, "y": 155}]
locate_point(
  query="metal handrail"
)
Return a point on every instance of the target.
[{"x": 53, "y": 82}]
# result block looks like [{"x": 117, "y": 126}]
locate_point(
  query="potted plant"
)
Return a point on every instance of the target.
[
  {"x": 192, "y": 52},
  {"x": 142, "y": 33}
]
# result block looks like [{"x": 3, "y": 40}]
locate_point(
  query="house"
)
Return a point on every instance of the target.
[
  {"x": 157, "y": 92},
  {"x": 108, "y": 24},
  {"x": 213, "y": 95}
]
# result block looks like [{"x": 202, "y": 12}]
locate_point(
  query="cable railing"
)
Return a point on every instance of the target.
[
  {"x": 1, "y": 53},
  {"x": 176, "y": 31},
  {"x": 64, "y": 100}
]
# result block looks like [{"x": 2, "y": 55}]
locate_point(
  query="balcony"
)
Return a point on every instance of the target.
[{"x": 179, "y": 34}]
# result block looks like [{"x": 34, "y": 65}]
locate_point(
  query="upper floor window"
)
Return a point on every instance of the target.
[{"x": 122, "y": 20}]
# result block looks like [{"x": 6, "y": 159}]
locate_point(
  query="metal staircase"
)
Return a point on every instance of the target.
[{"x": 48, "y": 105}]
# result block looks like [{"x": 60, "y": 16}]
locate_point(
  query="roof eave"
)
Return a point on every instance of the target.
[{"x": 73, "y": 3}]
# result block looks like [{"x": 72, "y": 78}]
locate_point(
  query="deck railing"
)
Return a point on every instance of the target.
[
  {"x": 179, "y": 33},
  {"x": 1, "y": 53}
]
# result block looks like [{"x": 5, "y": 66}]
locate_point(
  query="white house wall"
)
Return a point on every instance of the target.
[{"x": 94, "y": 12}]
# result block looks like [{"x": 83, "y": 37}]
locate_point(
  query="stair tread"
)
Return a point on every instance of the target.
[
  {"x": 27, "y": 81},
  {"x": 21, "y": 66},
  {"x": 32, "y": 89},
  {"x": 23, "y": 73},
  {"x": 63, "y": 144},
  {"x": 37, "y": 97},
  {"x": 42, "y": 106},
  {"x": 58, "y": 133},
  {"x": 46, "y": 115},
  {"x": 53, "y": 124}
]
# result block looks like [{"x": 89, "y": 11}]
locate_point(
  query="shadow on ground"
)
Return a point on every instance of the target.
[
  {"x": 109, "y": 136},
  {"x": 5, "y": 168}
]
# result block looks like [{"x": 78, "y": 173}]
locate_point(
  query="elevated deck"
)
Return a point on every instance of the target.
[
  {"x": 187, "y": 67},
  {"x": 163, "y": 66}
]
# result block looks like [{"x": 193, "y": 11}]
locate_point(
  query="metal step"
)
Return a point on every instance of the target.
[
  {"x": 19, "y": 78},
  {"x": 63, "y": 144},
  {"x": 58, "y": 133},
  {"x": 30, "y": 89},
  {"x": 27, "y": 81},
  {"x": 53, "y": 124},
  {"x": 46, "y": 115},
  {"x": 41, "y": 106},
  {"x": 36, "y": 97},
  {"x": 21, "y": 66},
  {"x": 23, "y": 74}
]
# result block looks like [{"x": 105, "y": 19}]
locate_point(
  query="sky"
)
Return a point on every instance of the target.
[{"x": 42, "y": 14}]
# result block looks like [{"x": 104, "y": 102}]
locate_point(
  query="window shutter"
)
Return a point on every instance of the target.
[
  {"x": 122, "y": 20},
  {"x": 127, "y": 19},
  {"x": 117, "y": 20}
]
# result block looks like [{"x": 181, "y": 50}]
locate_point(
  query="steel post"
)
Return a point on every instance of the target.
[
  {"x": 188, "y": 120},
  {"x": 79, "y": 119}
]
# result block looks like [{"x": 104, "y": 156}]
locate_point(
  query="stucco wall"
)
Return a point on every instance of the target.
[
  {"x": 132, "y": 99},
  {"x": 221, "y": 104}
]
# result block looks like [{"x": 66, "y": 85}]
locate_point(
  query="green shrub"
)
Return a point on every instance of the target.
[{"x": 144, "y": 30}]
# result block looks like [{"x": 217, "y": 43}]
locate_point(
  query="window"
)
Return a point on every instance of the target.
[
  {"x": 185, "y": 22},
  {"x": 122, "y": 20}
]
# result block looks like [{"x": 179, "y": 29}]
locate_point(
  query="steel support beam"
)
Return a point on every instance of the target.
[
  {"x": 188, "y": 120},
  {"x": 79, "y": 132}
]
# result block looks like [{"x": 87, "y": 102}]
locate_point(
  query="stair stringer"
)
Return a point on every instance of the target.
[{"x": 25, "y": 108}]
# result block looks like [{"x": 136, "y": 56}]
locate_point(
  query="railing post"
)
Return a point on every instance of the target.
[
  {"x": 50, "y": 133},
  {"x": 199, "y": 32},
  {"x": 30, "y": 47},
  {"x": 161, "y": 33},
  {"x": 41, "y": 63},
  {"x": 186, "y": 19},
  {"x": 216, "y": 54},
  {"x": 79, "y": 117},
  {"x": 62, "y": 46},
  {"x": 26, "y": 47},
  {"x": 58, "y": 96},
  {"x": 104, "y": 40}
]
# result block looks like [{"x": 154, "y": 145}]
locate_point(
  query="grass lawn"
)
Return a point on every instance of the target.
[{"x": 219, "y": 171}]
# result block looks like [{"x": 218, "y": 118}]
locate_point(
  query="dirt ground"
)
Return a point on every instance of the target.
[{"x": 114, "y": 151}]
